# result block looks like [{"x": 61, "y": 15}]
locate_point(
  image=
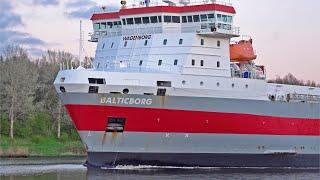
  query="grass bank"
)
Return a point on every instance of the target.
[{"x": 40, "y": 146}]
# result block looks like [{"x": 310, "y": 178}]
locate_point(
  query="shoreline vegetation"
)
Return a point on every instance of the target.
[{"x": 33, "y": 121}]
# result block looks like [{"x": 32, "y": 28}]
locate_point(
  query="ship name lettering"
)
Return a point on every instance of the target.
[
  {"x": 136, "y": 37},
  {"x": 127, "y": 101}
]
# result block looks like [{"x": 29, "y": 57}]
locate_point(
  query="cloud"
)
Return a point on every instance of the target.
[
  {"x": 8, "y": 18},
  {"x": 84, "y": 8},
  {"x": 45, "y": 2},
  {"x": 80, "y": 3},
  {"x": 19, "y": 38}
]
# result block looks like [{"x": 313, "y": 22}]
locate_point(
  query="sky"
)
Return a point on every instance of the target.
[{"x": 286, "y": 33}]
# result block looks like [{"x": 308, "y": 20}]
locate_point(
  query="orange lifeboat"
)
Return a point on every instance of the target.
[{"x": 242, "y": 51}]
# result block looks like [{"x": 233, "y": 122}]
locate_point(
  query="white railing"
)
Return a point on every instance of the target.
[
  {"x": 133, "y": 66},
  {"x": 140, "y": 3}
]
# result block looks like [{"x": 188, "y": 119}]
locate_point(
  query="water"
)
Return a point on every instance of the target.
[{"x": 71, "y": 168}]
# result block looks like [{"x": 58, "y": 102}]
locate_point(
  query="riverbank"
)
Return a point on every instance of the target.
[{"x": 24, "y": 147}]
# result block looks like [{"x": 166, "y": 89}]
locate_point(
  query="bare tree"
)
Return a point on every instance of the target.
[{"x": 19, "y": 79}]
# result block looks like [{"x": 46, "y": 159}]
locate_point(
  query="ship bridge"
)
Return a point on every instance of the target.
[{"x": 209, "y": 18}]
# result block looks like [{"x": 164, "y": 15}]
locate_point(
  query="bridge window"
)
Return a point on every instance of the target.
[
  {"x": 204, "y": 17},
  {"x": 137, "y": 20},
  {"x": 124, "y": 21},
  {"x": 160, "y": 19},
  {"x": 175, "y": 62},
  {"x": 184, "y": 19},
  {"x": 219, "y": 16},
  {"x": 103, "y": 25},
  {"x": 165, "y": 42},
  {"x": 110, "y": 24},
  {"x": 176, "y": 19},
  {"x": 202, "y": 42},
  {"x": 190, "y": 19},
  {"x": 129, "y": 21},
  {"x": 196, "y": 18},
  {"x": 180, "y": 41},
  {"x": 154, "y": 19},
  {"x": 145, "y": 20},
  {"x": 160, "y": 62},
  {"x": 193, "y": 62},
  {"x": 201, "y": 63},
  {"x": 96, "y": 25},
  {"x": 93, "y": 89},
  {"x": 211, "y": 17},
  {"x": 167, "y": 19}
]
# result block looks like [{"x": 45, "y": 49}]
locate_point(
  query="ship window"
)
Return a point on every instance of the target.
[
  {"x": 211, "y": 17},
  {"x": 165, "y": 42},
  {"x": 201, "y": 83},
  {"x": 125, "y": 43},
  {"x": 184, "y": 19},
  {"x": 97, "y": 81},
  {"x": 203, "y": 17},
  {"x": 190, "y": 19},
  {"x": 218, "y": 43},
  {"x": 183, "y": 82},
  {"x": 196, "y": 18},
  {"x": 103, "y": 25},
  {"x": 62, "y": 89},
  {"x": 167, "y": 19},
  {"x": 115, "y": 124},
  {"x": 96, "y": 25},
  {"x": 93, "y": 89},
  {"x": 219, "y": 17},
  {"x": 218, "y": 84},
  {"x": 218, "y": 64},
  {"x": 176, "y": 19},
  {"x": 164, "y": 83},
  {"x": 137, "y": 20},
  {"x": 154, "y": 19},
  {"x": 129, "y": 21},
  {"x": 145, "y": 42},
  {"x": 145, "y": 20},
  {"x": 175, "y": 62},
  {"x": 160, "y": 19},
  {"x": 247, "y": 85},
  {"x": 232, "y": 85},
  {"x": 161, "y": 92},
  {"x": 111, "y": 45},
  {"x": 201, "y": 63},
  {"x": 103, "y": 45},
  {"x": 124, "y": 21},
  {"x": 110, "y": 24},
  {"x": 98, "y": 65},
  {"x": 193, "y": 62},
  {"x": 180, "y": 41},
  {"x": 140, "y": 63},
  {"x": 202, "y": 42},
  {"x": 160, "y": 62}
]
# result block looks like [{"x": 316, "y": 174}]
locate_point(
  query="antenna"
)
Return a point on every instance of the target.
[{"x": 81, "y": 45}]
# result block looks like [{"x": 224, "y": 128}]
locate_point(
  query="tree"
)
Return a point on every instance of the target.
[{"x": 19, "y": 79}]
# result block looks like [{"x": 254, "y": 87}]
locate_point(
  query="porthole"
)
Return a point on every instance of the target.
[
  {"x": 62, "y": 89},
  {"x": 125, "y": 91}
]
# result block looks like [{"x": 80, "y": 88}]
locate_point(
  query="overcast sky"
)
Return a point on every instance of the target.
[{"x": 286, "y": 33}]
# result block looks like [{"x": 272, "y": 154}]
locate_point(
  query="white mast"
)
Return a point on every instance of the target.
[{"x": 81, "y": 46}]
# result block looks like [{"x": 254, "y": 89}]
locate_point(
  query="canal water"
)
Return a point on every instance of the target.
[{"x": 71, "y": 168}]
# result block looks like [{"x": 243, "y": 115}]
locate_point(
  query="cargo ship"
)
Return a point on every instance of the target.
[{"x": 174, "y": 84}]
